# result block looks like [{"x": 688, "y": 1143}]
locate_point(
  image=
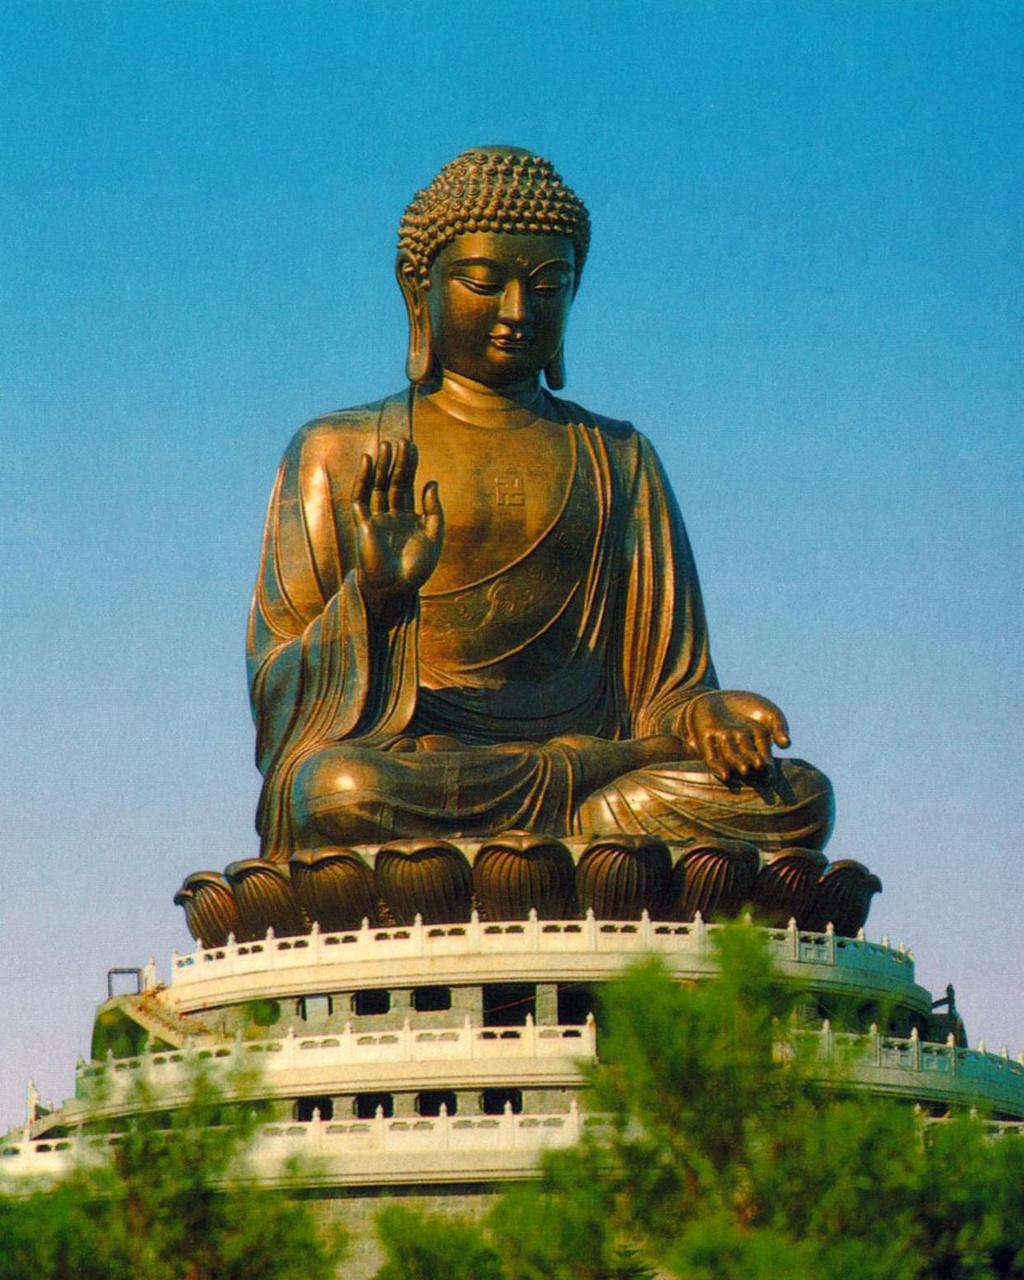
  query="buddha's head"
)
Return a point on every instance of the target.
[{"x": 489, "y": 260}]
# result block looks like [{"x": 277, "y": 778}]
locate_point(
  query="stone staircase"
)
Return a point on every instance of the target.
[{"x": 146, "y": 1022}]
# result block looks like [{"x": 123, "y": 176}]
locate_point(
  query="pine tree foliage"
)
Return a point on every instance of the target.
[
  {"x": 713, "y": 1151},
  {"x": 172, "y": 1202},
  {"x": 725, "y": 1157}
]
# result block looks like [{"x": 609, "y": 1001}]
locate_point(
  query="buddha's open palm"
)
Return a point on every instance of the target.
[
  {"x": 397, "y": 550},
  {"x": 734, "y": 731}
]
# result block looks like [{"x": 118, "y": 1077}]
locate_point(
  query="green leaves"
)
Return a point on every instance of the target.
[
  {"x": 420, "y": 1248},
  {"x": 171, "y": 1204},
  {"x": 726, "y": 1158}
]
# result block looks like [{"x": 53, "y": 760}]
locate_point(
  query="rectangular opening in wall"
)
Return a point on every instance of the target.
[
  {"x": 375, "y": 1000},
  {"x": 506, "y": 1004},
  {"x": 493, "y": 1101},
  {"x": 304, "y": 1108},
  {"x": 575, "y": 1001},
  {"x": 366, "y": 1104},
  {"x": 315, "y": 1008},
  {"x": 431, "y": 999},
  {"x": 430, "y": 1102}
]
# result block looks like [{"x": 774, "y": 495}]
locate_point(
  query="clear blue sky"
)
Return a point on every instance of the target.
[{"x": 805, "y": 287}]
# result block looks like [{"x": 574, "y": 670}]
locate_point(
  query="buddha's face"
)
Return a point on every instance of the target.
[{"x": 499, "y": 304}]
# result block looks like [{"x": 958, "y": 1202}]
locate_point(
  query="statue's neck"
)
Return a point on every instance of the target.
[{"x": 484, "y": 406}]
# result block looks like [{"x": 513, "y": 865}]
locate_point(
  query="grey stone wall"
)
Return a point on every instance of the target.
[
  {"x": 466, "y": 1001},
  {"x": 356, "y": 1209}
]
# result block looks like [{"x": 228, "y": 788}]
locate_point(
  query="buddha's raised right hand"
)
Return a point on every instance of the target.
[{"x": 397, "y": 550}]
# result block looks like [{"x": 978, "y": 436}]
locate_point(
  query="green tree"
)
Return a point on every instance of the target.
[
  {"x": 428, "y": 1248},
  {"x": 725, "y": 1156},
  {"x": 172, "y": 1202}
]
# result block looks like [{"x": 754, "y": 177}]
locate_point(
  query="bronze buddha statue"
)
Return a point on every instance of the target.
[
  {"x": 498, "y": 690},
  {"x": 527, "y": 650}
]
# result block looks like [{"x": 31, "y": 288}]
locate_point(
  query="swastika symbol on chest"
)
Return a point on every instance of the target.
[{"x": 508, "y": 489}]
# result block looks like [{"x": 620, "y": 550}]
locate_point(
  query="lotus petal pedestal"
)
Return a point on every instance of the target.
[
  {"x": 335, "y": 888},
  {"x": 620, "y": 877},
  {"x": 429, "y": 878},
  {"x": 715, "y": 880},
  {"x": 211, "y": 911},
  {"x": 785, "y": 886},
  {"x": 518, "y": 871},
  {"x": 265, "y": 898}
]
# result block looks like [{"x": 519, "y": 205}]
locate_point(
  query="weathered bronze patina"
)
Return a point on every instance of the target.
[
  {"x": 533, "y": 657},
  {"x": 518, "y": 647}
]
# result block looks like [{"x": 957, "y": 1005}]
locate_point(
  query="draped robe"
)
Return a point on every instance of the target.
[{"x": 503, "y": 699}]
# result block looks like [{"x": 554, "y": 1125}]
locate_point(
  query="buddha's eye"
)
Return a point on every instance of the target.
[
  {"x": 550, "y": 285},
  {"x": 475, "y": 285}
]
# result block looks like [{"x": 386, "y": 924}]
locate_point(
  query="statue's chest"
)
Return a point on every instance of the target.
[{"x": 503, "y": 492}]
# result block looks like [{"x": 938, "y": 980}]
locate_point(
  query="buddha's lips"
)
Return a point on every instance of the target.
[{"x": 511, "y": 342}]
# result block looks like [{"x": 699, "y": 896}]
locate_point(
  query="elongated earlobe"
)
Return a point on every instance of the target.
[
  {"x": 554, "y": 372},
  {"x": 420, "y": 359}
]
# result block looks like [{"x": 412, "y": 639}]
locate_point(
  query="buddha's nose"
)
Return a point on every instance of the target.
[{"x": 515, "y": 308}]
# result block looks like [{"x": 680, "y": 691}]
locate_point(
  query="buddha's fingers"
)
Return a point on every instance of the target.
[
  {"x": 713, "y": 758},
  {"x": 400, "y": 495},
  {"x": 779, "y": 728},
  {"x": 361, "y": 487},
  {"x": 381, "y": 479},
  {"x": 734, "y": 753},
  {"x": 433, "y": 515},
  {"x": 761, "y": 711},
  {"x": 762, "y": 749}
]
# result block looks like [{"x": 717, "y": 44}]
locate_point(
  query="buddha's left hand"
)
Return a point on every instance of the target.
[{"x": 733, "y": 732}]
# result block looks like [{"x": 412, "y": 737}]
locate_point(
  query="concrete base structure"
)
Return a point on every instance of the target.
[{"x": 435, "y": 1062}]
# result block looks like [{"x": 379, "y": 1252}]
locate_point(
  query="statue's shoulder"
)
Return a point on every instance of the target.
[
  {"x": 334, "y": 436},
  {"x": 612, "y": 429}
]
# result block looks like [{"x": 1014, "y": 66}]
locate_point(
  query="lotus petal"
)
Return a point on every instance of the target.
[
  {"x": 265, "y": 898},
  {"x": 619, "y": 877},
  {"x": 714, "y": 879},
  {"x": 786, "y": 885},
  {"x": 335, "y": 888},
  {"x": 843, "y": 898},
  {"x": 426, "y": 877},
  {"x": 211, "y": 911},
  {"x": 518, "y": 870}
]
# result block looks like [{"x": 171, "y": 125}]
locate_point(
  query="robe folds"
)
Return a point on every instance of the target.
[{"x": 505, "y": 700}]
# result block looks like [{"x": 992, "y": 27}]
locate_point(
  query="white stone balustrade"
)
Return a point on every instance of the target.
[
  {"x": 390, "y": 1150},
  {"x": 344, "y": 1057},
  {"x": 507, "y": 939},
  {"x": 913, "y": 1067},
  {"x": 435, "y": 1148},
  {"x": 420, "y": 1148},
  {"x": 976, "y": 1069},
  {"x": 507, "y": 1132}
]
